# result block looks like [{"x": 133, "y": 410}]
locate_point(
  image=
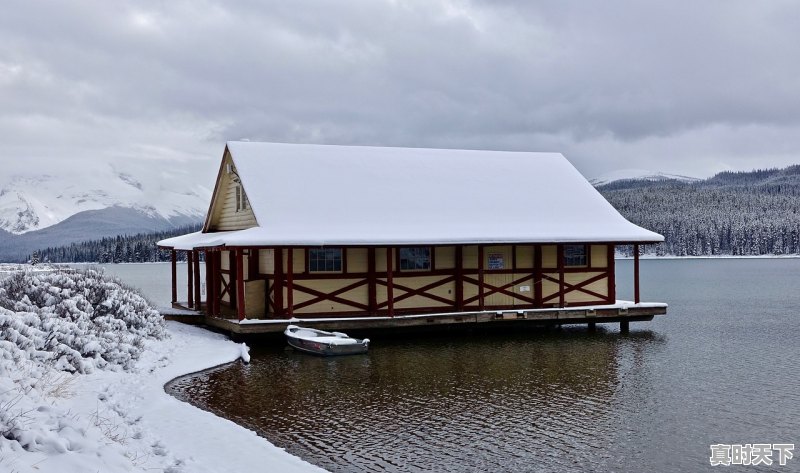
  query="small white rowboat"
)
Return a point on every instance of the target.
[{"x": 323, "y": 343}]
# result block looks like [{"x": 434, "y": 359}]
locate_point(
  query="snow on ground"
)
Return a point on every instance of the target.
[{"x": 91, "y": 397}]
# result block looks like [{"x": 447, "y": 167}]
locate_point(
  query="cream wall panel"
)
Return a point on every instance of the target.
[
  {"x": 254, "y": 299},
  {"x": 225, "y": 256},
  {"x": 549, "y": 288},
  {"x": 357, "y": 260},
  {"x": 524, "y": 256},
  {"x": 549, "y": 256},
  {"x": 266, "y": 261},
  {"x": 471, "y": 290},
  {"x": 446, "y": 291},
  {"x": 445, "y": 257},
  {"x": 496, "y": 298},
  {"x": 470, "y": 257},
  {"x": 359, "y": 295},
  {"x": 599, "y": 255},
  {"x": 529, "y": 293}
]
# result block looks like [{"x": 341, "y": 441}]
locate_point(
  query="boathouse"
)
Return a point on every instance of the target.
[{"x": 357, "y": 236}]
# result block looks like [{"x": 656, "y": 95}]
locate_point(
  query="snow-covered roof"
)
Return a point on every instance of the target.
[{"x": 360, "y": 195}]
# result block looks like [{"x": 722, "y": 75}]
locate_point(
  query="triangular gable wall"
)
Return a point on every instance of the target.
[{"x": 224, "y": 214}]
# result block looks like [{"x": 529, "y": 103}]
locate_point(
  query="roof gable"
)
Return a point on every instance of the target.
[{"x": 225, "y": 212}]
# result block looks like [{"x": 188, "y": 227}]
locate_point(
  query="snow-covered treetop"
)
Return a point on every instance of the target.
[{"x": 350, "y": 195}]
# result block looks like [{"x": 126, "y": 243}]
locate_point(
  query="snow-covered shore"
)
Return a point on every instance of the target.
[{"x": 116, "y": 416}]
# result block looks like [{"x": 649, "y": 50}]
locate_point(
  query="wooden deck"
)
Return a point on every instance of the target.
[{"x": 622, "y": 312}]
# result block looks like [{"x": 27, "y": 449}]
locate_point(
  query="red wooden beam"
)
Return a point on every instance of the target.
[
  {"x": 481, "y": 304},
  {"x": 561, "y": 292},
  {"x": 537, "y": 275},
  {"x": 252, "y": 263},
  {"x": 459, "y": 277},
  {"x": 612, "y": 281},
  {"x": 320, "y": 296},
  {"x": 174, "y": 259},
  {"x": 372, "y": 298},
  {"x": 278, "y": 259},
  {"x": 289, "y": 287},
  {"x": 389, "y": 283},
  {"x": 240, "y": 308},
  {"x": 190, "y": 279},
  {"x": 197, "y": 303},
  {"x": 216, "y": 279},
  {"x": 209, "y": 271},
  {"x": 578, "y": 287},
  {"x": 636, "y": 273}
]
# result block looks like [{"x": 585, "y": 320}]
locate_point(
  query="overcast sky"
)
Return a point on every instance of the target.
[{"x": 684, "y": 87}]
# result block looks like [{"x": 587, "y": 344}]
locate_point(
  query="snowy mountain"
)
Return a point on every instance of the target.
[
  {"x": 639, "y": 175},
  {"x": 38, "y": 201}
]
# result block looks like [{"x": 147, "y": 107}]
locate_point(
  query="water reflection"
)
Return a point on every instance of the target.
[{"x": 526, "y": 402}]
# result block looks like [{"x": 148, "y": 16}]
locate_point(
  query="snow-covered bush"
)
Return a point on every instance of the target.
[{"x": 76, "y": 320}]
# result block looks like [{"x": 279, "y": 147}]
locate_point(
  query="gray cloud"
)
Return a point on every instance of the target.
[{"x": 690, "y": 89}]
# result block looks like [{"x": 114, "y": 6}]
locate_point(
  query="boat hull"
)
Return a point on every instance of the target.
[{"x": 324, "y": 349}]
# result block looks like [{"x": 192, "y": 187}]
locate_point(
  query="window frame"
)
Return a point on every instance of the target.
[
  {"x": 586, "y": 256},
  {"x": 431, "y": 264},
  {"x": 341, "y": 259}
]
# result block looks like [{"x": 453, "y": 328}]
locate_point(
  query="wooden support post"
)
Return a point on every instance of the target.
[
  {"x": 252, "y": 263},
  {"x": 189, "y": 279},
  {"x": 636, "y": 273},
  {"x": 372, "y": 291},
  {"x": 459, "y": 278},
  {"x": 197, "y": 304},
  {"x": 624, "y": 326},
  {"x": 278, "y": 291},
  {"x": 592, "y": 326},
  {"x": 209, "y": 272},
  {"x": 216, "y": 277},
  {"x": 481, "y": 301},
  {"x": 389, "y": 283},
  {"x": 561, "y": 295},
  {"x": 537, "y": 275},
  {"x": 612, "y": 277},
  {"x": 289, "y": 280},
  {"x": 174, "y": 259},
  {"x": 240, "y": 306}
]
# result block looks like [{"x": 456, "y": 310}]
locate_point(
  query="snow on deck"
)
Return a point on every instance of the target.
[{"x": 335, "y": 195}]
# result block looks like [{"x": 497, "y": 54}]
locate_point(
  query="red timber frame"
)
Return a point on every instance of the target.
[{"x": 289, "y": 290}]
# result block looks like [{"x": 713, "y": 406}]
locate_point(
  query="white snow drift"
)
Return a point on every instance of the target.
[{"x": 83, "y": 362}]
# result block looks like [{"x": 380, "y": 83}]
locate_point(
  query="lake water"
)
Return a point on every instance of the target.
[{"x": 721, "y": 367}]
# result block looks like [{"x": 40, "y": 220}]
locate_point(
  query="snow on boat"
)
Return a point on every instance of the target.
[{"x": 323, "y": 343}]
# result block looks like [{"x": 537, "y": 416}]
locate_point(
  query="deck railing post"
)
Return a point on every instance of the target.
[
  {"x": 481, "y": 303},
  {"x": 240, "y": 306},
  {"x": 372, "y": 293},
  {"x": 197, "y": 304},
  {"x": 278, "y": 282},
  {"x": 636, "y": 273},
  {"x": 189, "y": 279},
  {"x": 561, "y": 294},
  {"x": 289, "y": 282},
  {"x": 459, "y": 278},
  {"x": 174, "y": 260},
  {"x": 389, "y": 283}
]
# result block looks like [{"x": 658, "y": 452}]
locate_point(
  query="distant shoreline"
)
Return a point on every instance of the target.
[{"x": 656, "y": 257}]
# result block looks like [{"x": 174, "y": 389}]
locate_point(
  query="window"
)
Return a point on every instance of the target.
[
  {"x": 241, "y": 199},
  {"x": 575, "y": 255},
  {"x": 415, "y": 259},
  {"x": 325, "y": 260}
]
